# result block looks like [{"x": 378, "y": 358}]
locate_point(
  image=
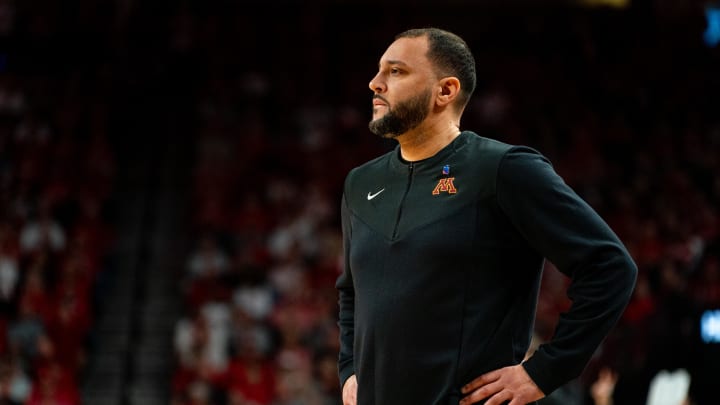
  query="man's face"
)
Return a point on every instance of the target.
[
  {"x": 402, "y": 88},
  {"x": 401, "y": 116}
]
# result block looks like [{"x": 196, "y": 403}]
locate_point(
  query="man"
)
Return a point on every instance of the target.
[{"x": 444, "y": 243}]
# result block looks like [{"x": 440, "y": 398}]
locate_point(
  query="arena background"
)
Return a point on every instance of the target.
[{"x": 170, "y": 175}]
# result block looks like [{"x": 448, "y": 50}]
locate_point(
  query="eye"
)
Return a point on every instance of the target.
[{"x": 395, "y": 71}]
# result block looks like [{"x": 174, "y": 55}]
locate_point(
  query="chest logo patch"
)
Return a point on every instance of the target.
[
  {"x": 370, "y": 195},
  {"x": 445, "y": 185}
]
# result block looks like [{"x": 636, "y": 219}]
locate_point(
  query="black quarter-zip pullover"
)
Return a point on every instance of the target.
[{"x": 442, "y": 266}]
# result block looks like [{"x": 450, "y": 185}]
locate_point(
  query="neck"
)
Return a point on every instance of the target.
[{"x": 422, "y": 143}]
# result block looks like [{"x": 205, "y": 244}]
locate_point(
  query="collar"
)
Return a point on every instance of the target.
[{"x": 398, "y": 163}]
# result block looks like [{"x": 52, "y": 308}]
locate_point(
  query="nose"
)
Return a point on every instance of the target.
[{"x": 376, "y": 84}]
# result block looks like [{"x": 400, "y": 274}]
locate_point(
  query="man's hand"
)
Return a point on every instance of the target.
[
  {"x": 349, "y": 394},
  {"x": 511, "y": 384}
]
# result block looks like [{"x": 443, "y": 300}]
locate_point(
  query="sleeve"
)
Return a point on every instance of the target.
[
  {"x": 346, "y": 293},
  {"x": 556, "y": 222}
]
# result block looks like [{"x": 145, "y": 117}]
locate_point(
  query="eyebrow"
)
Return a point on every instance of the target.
[{"x": 393, "y": 62}]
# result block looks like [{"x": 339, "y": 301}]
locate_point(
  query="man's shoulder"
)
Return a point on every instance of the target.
[
  {"x": 485, "y": 154},
  {"x": 488, "y": 145},
  {"x": 499, "y": 149}
]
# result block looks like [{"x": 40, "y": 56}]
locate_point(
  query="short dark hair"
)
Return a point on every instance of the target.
[{"x": 450, "y": 55}]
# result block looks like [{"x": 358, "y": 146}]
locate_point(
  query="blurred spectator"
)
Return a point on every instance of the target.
[
  {"x": 326, "y": 377},
  {"x": 295, "y": 387},
  {"x": 15, "y": 385},
  {"x": 42, "y": 232},
  {"x": 199, "y": 393},
  {"x": 254, "y": 301},
  {"x": 208, "y": 260},
  {"x": 54, "y": 385},
  {"x": 203, "y": 340},
  {"x": 28, "y": 327},
  {"x": 9, "y": 270},
  {"x": 251, "y": 375},
  {"x": 69, "y": 326},
  {"x": 669, "y": 388},
  {"x": 603, "y": 387}
]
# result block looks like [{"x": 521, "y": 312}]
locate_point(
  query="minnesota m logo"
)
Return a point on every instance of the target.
[{"x": 445, "y": 185}]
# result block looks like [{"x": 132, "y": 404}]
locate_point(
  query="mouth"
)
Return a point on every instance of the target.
[
  {"x": 379, "y": 109},
  {"x": 378, "y": 101}
]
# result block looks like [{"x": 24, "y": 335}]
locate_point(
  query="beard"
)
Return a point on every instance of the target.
[{"x": 405, "y": 116}]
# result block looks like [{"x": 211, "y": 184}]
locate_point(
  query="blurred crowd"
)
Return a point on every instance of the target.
[
  {"x": 56, "y": 177},
  {"x": 623, "y": 102}
]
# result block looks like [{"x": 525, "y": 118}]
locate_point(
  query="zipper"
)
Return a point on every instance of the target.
[{"x": 411, "y": 167}]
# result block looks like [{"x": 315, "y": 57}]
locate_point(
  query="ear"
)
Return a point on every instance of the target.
[{"x": 449, "y": 88}]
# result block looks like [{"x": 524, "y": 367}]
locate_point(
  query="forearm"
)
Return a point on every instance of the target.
[
  {"x": 347, "y": 332},
  {"x": 567, "y": 231},
  {"x": 346, "y": 303}
]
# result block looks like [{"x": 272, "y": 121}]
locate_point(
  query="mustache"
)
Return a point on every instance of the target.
[{"x": 381, "y": 98}]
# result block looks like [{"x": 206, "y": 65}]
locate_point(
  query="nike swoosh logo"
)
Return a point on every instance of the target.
[{"x": 371, "y": 196}]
